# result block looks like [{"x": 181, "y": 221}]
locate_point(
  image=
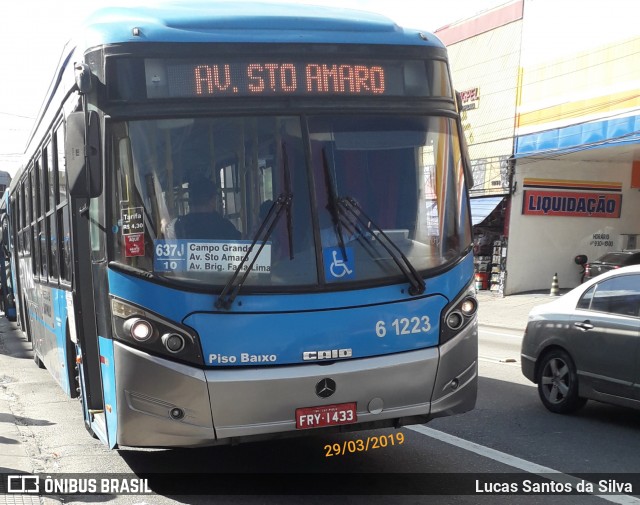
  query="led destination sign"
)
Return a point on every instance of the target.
[{"x": 260, "y": 77}]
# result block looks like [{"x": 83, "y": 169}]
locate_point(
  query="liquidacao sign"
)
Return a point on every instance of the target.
[{"x": 568, "y": 203}]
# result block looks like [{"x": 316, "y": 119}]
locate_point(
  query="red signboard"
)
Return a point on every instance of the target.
[
  {"x": 134, "y": 245},
  {"x": 569, "y": 203}
]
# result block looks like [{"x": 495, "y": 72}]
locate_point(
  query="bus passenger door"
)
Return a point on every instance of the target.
[
  {"x": 85, "y": 193},
  {"x": 84, "y": 307}
]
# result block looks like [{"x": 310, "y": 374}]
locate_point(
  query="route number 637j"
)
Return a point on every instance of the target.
[{"x": 404, "y": 326}]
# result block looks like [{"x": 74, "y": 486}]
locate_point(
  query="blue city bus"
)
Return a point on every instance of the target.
[{"x": 327, "y": 285}]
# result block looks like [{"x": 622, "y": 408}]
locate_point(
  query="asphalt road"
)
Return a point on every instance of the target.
[{"x": 508, "y": 440}]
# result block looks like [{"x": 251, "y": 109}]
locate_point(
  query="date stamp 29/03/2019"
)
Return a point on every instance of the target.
[{"x": 363, "y": 444}]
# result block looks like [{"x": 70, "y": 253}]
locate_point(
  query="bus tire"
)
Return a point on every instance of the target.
[
  {"x": 37, "y": 360},
  {"x": 25, "y": 316},
  {"x": 72, "y": 366},
  {"x": 27, "y": 332}
]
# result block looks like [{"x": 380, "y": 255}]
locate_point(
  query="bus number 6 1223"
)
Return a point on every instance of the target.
[{"x": 404, "y": 326}]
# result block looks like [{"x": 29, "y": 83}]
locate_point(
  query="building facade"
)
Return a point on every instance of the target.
[{"x": 565, "y": 76}]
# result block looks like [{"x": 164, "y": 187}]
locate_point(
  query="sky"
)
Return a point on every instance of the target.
[{"x": 33, "y": 33}]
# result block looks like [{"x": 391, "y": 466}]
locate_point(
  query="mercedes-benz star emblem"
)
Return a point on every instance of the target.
[{"x": 325, "y": 388}]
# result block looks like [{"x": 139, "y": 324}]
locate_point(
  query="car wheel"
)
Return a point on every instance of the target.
[{"x": 558, "y": 383}]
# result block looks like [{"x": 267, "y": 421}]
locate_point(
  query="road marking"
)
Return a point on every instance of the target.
[
  {"x": 511, "y": 335},
  {"x": 495, "y": 359},
  {"x": 519, "y": 463}
]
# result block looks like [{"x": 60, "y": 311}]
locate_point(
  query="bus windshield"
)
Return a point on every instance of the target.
[{"x": 192, "y": 193}]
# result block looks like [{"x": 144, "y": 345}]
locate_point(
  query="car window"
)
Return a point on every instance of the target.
[
  {"x": 615, "y": 257},
  {"x": 634, "y": 259},
  {"x": 585, "y": 301},
  {"x": 617, "y": 295}
]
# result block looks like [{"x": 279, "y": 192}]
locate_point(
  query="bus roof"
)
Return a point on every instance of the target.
[
  {"x": 234, "y": 21},
  {"x": 228, "y": 21}
]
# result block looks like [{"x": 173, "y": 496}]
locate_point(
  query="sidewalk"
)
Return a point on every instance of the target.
[
  {"x": 14, "y": 458},
  {"x": 510, "y": 311}
]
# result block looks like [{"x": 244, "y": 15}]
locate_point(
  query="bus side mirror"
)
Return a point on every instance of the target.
[
  {"x": 83, "y": 155},
  {"x": 84, "y": 78}
]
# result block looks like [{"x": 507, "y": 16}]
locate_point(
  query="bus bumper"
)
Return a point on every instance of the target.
[
  {"x": 456, "y": 386},
  {"x": 236, "y": 404}
]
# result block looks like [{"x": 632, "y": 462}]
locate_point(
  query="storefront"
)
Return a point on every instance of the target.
[
  {"x": 581, "y": 203},
  {"x": 489, "y": 218}
]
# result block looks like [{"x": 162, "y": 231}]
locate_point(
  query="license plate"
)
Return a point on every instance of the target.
[{"x": 327, "y": 415}]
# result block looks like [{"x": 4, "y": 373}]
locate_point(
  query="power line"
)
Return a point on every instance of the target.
[{"x": 16, "y": 115}]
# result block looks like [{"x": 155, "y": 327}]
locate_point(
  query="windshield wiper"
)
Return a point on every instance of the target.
[
  {"x": 287, "y": 188},
  {"x": 332, "y": 203},
  {"x": 268, "y": 224},
  {"x": 349, "y": 206}
]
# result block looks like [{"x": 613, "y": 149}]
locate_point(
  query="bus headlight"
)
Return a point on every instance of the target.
[
  {"x": 455, "y": 320},
  {"x": 139, "y": 329},
  {"x": 173, "y": 342},
  {"x": 469, "y": 306},
  {"x": 458, "y": 314},
  {"x": 154, "y": 334}
]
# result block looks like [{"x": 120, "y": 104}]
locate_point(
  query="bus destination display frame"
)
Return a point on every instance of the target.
[{"x": 315, "y": 76}]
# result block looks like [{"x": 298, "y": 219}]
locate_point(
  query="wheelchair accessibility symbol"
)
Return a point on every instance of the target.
[{"x": 336, "y": 267}]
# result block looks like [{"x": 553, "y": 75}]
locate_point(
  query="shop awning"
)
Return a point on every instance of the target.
[{"x": 482, "y": 207}]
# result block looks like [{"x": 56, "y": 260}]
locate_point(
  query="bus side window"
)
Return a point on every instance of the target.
[
  {"x": 26, "y": 231},
  {"x": 35, "y": 212},
  {"x": 62, "y": 212},
  {"x": 45, "y": 232},
  {"x": 52, "y": 247}
]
